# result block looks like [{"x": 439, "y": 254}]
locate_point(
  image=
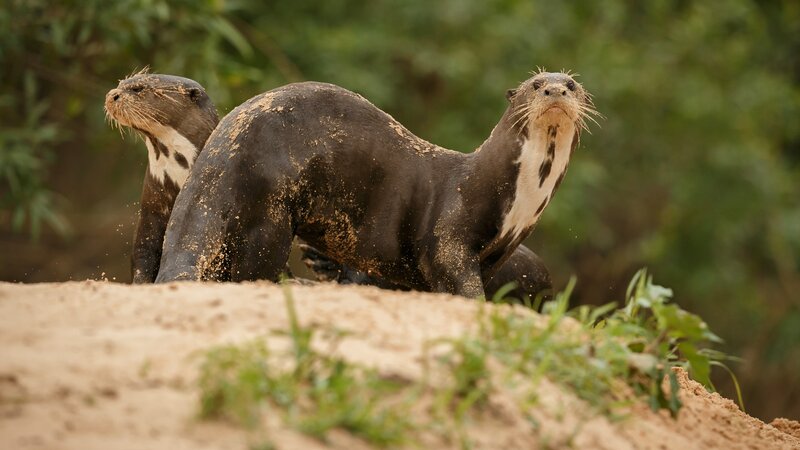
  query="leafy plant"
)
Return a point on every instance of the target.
[
  {"x": 26, "y": 150},
  {"x": 638, "y": 344}
]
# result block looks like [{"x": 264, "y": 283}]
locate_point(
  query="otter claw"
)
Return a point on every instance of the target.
[{"x": 323, "y": 267}]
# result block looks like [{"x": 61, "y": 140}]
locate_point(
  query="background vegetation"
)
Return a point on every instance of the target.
[{"x": 694, "y": 172}]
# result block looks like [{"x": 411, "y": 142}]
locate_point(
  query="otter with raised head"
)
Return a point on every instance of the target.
[
  {"x": 317, "y": 161},
  {"x": 175, "y": 117}
]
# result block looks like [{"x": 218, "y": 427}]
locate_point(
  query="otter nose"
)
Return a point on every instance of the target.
[
  {"x": 113, "y": 95},
  {"x": 555, "y": 90}
]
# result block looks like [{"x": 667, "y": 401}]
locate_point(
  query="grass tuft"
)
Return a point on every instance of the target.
[{"x": 315, "y": 394}]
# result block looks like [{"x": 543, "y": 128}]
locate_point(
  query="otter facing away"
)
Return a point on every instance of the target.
[{"x": 317, "y": 161}]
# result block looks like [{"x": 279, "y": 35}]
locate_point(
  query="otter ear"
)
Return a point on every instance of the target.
[
  {"x": 510, "y": 93},
  {"x": 194, "y": 93}
]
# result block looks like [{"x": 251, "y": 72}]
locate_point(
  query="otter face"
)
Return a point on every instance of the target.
[
  {"x": 150, "y": 102},
  {"x": 549, "y": 98},
  {"x": 174, "y": 116}
]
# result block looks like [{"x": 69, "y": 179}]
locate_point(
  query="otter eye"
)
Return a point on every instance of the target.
[
  {"x": 136, "y": 89},
  {"x": 537, "y": 84},
  {"x": 571, "y": 85}
]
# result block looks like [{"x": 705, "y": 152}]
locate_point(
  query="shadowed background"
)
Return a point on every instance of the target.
[{"x": 693, "y": 173}]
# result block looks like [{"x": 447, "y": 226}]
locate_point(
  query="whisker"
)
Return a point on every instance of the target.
[
  {"x": 524, "y": 111},
  {"x": 520, "y": 119},
  {"x": 521, "y": 111},
  {"x": 166, "y": 95},
  {"x": 592, "y": 119}
]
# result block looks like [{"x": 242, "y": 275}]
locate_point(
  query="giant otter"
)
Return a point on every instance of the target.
[
  {"x": 175, "y": 117},
  {"x": 317, "y": 161}
]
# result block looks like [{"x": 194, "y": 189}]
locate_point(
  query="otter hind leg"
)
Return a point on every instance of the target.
[
  {"x": 196, "y": 246},
  {"x": 262, "y": 251},
  {"x": 463, "y": 279}
]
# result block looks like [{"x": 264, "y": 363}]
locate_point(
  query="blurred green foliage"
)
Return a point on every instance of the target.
[{"x": 694, "y": 171}]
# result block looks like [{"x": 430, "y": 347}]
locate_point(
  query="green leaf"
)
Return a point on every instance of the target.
[
  {"x": 500, "y": 294},
  {"x": 674, "y": 401},
  {"x": 699, "y": 365}
]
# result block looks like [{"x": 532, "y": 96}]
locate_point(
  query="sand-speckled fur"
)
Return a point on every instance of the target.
[{"x": 320, "y": 162}]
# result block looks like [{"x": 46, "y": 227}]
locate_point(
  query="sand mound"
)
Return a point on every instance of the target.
[
  {"x": 787, "y": 426},
  {"x": 95, "y": 365}
]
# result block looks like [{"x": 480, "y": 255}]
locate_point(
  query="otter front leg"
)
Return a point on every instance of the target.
[
  {"x": 156, "y": 206},
  {"x": 464, "y": 280},
  {"x": 147, "y": 245},
  {"x": 459, "y": 275}
]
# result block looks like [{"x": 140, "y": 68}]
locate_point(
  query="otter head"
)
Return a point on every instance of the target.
[
  {"x": 149, "y": 103},
  {"x": 174, "y": 114},
  {"x": 545, "y": 117},
  {"x": 548, "y": 99}
]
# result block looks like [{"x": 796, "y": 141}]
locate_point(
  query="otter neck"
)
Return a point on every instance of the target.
[
  {"x": 523, "y": 167},
  {"x": 170, "y": 154}
]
